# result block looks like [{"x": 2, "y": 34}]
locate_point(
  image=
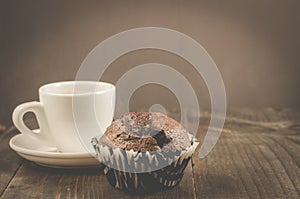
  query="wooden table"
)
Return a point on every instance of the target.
[{"x": 257, "y": 156}]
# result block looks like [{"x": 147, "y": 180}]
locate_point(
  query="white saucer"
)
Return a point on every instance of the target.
[{"x": 28, "y": 148}]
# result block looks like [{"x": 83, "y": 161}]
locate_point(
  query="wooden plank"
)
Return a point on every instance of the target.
[
  {"x": 33, "y": 181},
  {"x": 217, "y": 176},
  {"x": 257, "y": 156},
  {"x": 9, "y": 160},
  {"x": 283, "y": 154},
  {"x": 286, "y": 169},
  {"x": 277, "y": 150}
]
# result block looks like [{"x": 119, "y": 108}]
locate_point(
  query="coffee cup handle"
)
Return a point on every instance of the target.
[{"x": 38, "y": 109}]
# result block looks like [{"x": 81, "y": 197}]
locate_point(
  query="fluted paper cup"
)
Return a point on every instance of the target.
[{"x": 125, "y": 172}]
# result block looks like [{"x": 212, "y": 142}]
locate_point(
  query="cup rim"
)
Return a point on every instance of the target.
[{"x": 43, "y": 89}]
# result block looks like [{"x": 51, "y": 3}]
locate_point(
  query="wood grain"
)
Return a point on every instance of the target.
[
  {"x": 257, "y": 156},
  {"x": 9, "y": 160},
  {"x": 33, "y": 181},
  {"x": 80, "y": 183}
]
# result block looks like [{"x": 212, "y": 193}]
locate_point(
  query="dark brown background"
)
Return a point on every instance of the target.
[{"x": 254, "y": 43}]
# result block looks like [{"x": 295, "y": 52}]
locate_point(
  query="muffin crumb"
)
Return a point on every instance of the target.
[{"x": 143, "y": 131}]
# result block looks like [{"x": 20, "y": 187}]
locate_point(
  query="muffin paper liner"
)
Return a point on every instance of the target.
[{"x": 143, "y": 171}]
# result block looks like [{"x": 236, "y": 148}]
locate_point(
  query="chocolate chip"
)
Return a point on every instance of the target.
[{"x": 161, "y": 138}]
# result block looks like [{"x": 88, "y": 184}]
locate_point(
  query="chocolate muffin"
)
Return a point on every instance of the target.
[{"x": 144, "y": 152}]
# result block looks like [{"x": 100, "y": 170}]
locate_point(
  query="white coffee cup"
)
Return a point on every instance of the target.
[{"x": 69, "y": 114}]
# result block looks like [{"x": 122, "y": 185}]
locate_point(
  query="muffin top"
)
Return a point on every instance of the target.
[{"x": 146, "y": 131}]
